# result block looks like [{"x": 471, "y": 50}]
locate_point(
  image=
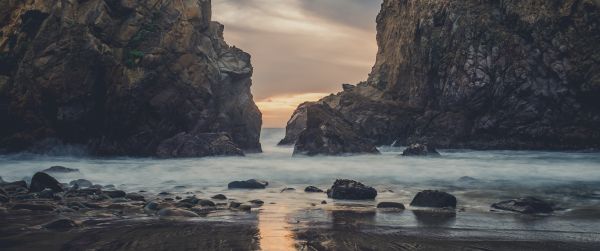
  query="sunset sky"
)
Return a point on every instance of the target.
[{"x": 301, "y": 50}]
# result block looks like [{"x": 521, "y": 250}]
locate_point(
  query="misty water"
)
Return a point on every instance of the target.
[{"x": 570, "y": 179}]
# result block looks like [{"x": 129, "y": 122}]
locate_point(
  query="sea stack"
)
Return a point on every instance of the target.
[
  {"x": 123, "y": 78},
  {"x": 479, "y": 74}
]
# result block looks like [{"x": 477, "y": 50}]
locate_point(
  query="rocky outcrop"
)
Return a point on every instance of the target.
[
  {"x": 123, "y": 78},
  {"x": 481, "y": 74},
  {"x": 420, "y": 150},
  {"x": 328, "y": 133},
  {"x": 527, "y": 205},
  {"x": 41, "y": 181}
]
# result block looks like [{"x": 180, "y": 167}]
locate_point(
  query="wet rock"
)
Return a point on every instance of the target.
[
  {"x": 60, "y": 169},
  {"x": 14, "y": 186},
  {"x": 135, "y": 197},
  {"x": 351, "y": 190},
  {"x": 61, "y": 224},
  {"x": 4, "y": 198},
  {"x": 257, "y": 202},
  {"x": 184, "y": 205},
  {"x": 420, "y": 150},
  {"x": 394, "y": 205},
  {"x": 467, "y": 179},
  {"x": 328, "y": 133},
  {"x": 206, "y": 203},
  {"x": 46, "y": 194},
  {"x": 115, "y": 193},
  {"x": 431, "y": 198},
  {"x": 178, "y": 197},
  {"x": 3, "y": 192},
  {"x": 527, "y": 205},
  {"x": 164, "y": 193},
  {"x": 234, "y": 204},
  {"x": 29, "y": 196},
  {"x": 76, "y": 205},
  {"x": 288, "y": 189},
  {"x": 248, "y": 184},
  {"x": 2, "y": 181},
  {"x": 33, "y": 207},
  {"x": 323, "y": 202},
  {"x": 312, "y": 189},
  {"x": 109, "y": 186},
  {"x": 219, "y": 197},
  {"x": 244, "y": 208},
  {"x": 96, "y": 186},
  {"x": 176, "y": 212},
  {"x": 192, "y": 200},
  {"x": 41, "y": 181},
  {"x": 81, "y": 183},
  {"x": 151, "y": 206}
]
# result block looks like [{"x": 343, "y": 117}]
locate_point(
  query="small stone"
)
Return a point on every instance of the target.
[
  {"x": 81, "y": 183},
  {"x": 219, "y": 197},
  {"x": 257, "y": 202},
  {"x": 420, "y": 150},
  {"x": 527, "y": 205},
  {"x": 4, "y": 198},
  {"x": 351, "y": 190},
  {"x": 323, "y": 202},
  {"x": 234, "y": 204},
  {"x": 151, "y": 206},
  {"x": 312, "y": 189},
  {"x": 395, "y": 205},
  {"x": 288, "y": 189},
  {"x": 178, "y": 197},
  {"x": 206, "y": 203},
  {"x": 244, "y": 208}
]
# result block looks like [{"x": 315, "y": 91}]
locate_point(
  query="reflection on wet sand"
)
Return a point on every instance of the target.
[{"x": 274, "y": 228}]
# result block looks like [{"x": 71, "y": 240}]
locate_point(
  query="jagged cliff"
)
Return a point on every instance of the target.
[
  {"x": 511, "y": 74},
  {"x": 123, "y": 77}
]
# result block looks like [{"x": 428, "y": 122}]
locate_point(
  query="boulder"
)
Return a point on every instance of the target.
[
  {"x": 41, "y": 181},
  {"x": 436, "y": 199},
  {"x": 14, "y": 186},
  {"x": 257, "y": 202},
  {"x": 328, "y": 133},
  {"x": 420, "y": 150},
  {"x": 394, "y": 205},
  {"x": 115, "y": 193},
  {"x": 185, "y": 145},
  {"x": 219, "y": 197},
  {"x": 206, "y": 203},
  {"x": 312, "y": 189},
  {"x": 81, "y": 183},
  {"x": 135, "y": 197},
  {"x": 61, "y": 224},
  {"x": 248, "y": 184},
  {"x": 526, "y": 205},
  {"x": 60, "y": 169},
  {"x": 234, "y": 204},
  {"x": 176, "y": 212},
  {"x": 351, "y": 190},
  {"x": 4, "y": 198}
]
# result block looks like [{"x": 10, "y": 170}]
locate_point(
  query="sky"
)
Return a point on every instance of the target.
[{"x": 301, "y": 50}]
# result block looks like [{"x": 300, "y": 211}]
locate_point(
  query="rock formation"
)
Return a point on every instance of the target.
[
  {"x": 123, "y": 77},
  {"x": 480, "y": 74}
]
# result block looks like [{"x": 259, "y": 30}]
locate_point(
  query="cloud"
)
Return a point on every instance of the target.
[{"x": 301, "y": 46}]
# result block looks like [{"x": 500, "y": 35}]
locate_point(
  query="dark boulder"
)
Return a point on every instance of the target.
[
  {"x": 219, "y": 197},
  {"x": 186, "y": 145},
  {"x": 328, "y": 133},
  {"x": 234, "y": 204},
  {"x": 248, "y": 184},
  {"x": 81, "y": 183},
  {"x": 206, "y": 203},
  {"x": 288, "y": 189},
  {"x": 135, "y": 197},
  {"x": 351, "y": 190},
  {"x": 527, "y": 205},
  {"x": 41, "y": 181},
  {"x": 60, "y": 169},
  {"x": 61, "y": 224},
  {"x": 312, "y": 189},
  {"x": 394, "y": 205},
  {"x": 257, "y": 202},
  {"x": 115, "y": 193},
  {"x": 431, "y": 198},
  {"x": 4, "y": 198},
  {"x": 420, "y": 150}
]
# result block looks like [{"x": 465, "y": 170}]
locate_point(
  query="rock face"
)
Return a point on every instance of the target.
[
  {"x": 527, "y": 205},
  {"x": 480, "y": 74},
  {"x": 351, "y": 190},
  {"x": 437, "y": 199},
  {"x": 123, "y": 78},
  {"x": 328, "y": 133}
]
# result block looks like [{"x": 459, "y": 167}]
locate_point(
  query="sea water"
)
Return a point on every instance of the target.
[{"x": 569, "y": 179}]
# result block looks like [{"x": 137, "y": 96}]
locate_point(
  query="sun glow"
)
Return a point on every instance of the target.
[{"x": 278, "y": 109}]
